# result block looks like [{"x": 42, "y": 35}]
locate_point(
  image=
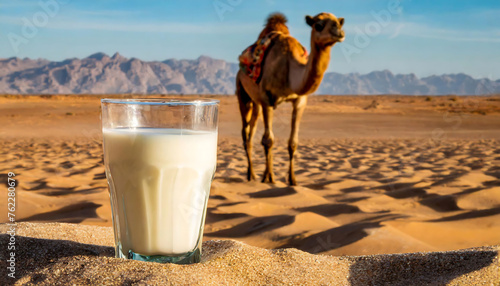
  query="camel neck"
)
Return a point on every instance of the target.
[{"x": 314, "y": 69}]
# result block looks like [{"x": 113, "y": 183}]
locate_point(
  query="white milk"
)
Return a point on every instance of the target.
[{"x": 161, "y": 182}]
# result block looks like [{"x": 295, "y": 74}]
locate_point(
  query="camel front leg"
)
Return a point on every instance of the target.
[
  {"x": 298, "y": 109},
  {"x": 267, "y": 142}
]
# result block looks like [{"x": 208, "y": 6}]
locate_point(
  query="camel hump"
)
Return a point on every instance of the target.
[
  {"x": 276, "y": 18},
  {"x": 276, "y": 22}
]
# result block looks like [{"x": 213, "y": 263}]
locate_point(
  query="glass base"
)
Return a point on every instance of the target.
[{"x": 186, "y": 258}]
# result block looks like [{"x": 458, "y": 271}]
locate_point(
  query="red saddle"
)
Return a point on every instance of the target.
[{"x": 252, "y": 57}]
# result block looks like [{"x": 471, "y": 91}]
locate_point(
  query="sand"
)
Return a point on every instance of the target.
[
  {"x": 70, "y": 254},
  {"x": 411, "y": 174}
]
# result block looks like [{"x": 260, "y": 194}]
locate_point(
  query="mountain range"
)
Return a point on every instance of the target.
[{"x": 102, "y": 74}]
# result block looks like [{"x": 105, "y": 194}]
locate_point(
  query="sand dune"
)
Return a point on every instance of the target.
[
  {"x": 72, "y": 254},
  {"x": 398, "y": 178}
]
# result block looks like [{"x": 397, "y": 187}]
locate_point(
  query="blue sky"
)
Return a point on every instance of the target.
[{"x": 408, "y": 36}]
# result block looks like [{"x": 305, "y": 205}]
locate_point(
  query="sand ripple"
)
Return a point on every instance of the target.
[{"x": 414, "y": 195}]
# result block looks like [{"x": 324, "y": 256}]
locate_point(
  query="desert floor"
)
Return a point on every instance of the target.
[{"x": 384, "y": 174}]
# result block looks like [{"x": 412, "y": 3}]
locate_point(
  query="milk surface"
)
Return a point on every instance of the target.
[{"x": 160, "y": 182}]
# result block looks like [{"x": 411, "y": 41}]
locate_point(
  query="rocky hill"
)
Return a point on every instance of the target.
[{"x": 101, "y": 74}]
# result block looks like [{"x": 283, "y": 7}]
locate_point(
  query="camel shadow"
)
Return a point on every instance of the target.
[{"x": 35, "y": 254}]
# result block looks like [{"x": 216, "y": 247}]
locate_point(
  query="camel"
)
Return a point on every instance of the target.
[{"x": 287, "y": 74}]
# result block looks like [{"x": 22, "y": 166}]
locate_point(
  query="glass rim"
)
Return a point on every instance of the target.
[{"x": 161, "y": 101}]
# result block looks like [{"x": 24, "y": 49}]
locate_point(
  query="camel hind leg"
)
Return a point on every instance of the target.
[
  {"x": 256, "y": 111},
  {"x": 250, "y": 112}
]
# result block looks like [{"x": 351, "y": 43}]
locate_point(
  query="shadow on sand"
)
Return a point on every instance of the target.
[
  {"x": 437, "y": 268},
  {"x": 34, "y": 254}
]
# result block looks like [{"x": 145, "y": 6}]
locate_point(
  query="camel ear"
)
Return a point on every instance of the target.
[
  {"x": 310, "y": 20},
  {"x": 341, "y": 21}
]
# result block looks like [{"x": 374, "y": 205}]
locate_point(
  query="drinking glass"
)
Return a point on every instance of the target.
[{"x": 160, "y": 159}]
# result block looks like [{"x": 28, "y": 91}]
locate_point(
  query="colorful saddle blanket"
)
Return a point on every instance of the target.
[{"x": 252, "y": 57}]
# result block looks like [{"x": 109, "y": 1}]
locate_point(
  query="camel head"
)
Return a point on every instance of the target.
[{"x": 326, "y": 29}]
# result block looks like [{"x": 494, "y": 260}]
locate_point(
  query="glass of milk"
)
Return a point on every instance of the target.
[{"x": 160, "y": 159}]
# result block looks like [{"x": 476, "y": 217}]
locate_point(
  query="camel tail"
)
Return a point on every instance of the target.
[{"x": 276, "y": 22}]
